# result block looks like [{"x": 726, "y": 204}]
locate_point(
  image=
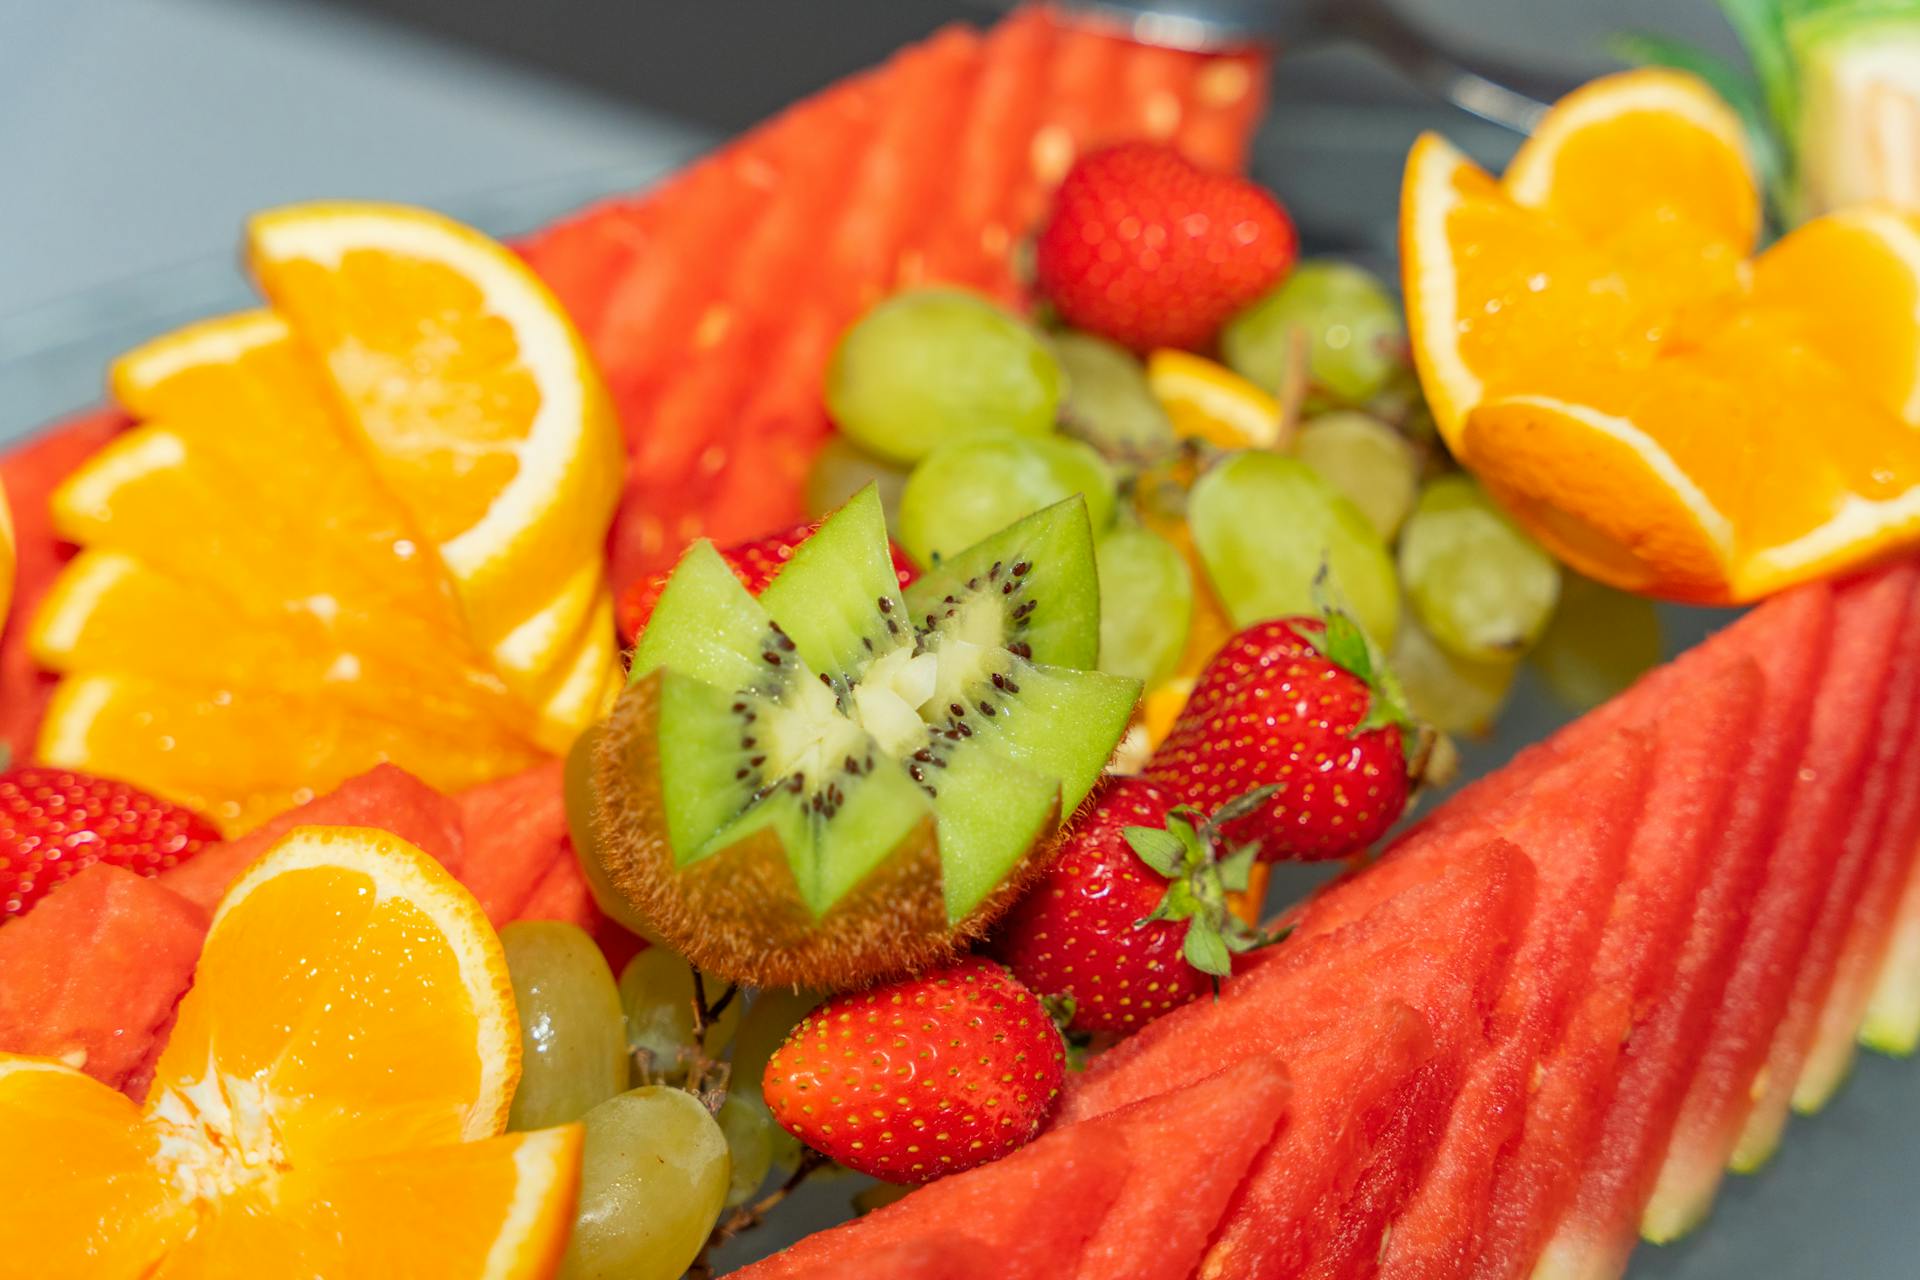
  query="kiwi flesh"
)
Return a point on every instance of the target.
[{"x": 839, "y": 781}]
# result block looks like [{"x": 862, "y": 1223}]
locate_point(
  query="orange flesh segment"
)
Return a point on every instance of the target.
[{"x": 1661, "y": 413}]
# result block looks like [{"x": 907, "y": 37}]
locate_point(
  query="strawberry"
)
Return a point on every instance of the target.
[
  {"x": 920, "y": 1078},
  {"x": 1131, "y": 919},
  {"x": 1306, "y": 706},
  {"x": 755, "y": 563},
  {"x": 55, "y": 822},
  {"x": 1150, "y": 251}
]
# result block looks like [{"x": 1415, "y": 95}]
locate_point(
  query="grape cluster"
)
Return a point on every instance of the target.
[
  {"x": 969, "y": 418},
  {"x": 663, "y": 1070}
]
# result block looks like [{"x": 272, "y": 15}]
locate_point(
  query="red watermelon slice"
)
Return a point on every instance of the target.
[
  {"x": 1823, "y": 792},
  {"x": 1187, "y": 1152},
  {"x": 1890, "y": 768},
  {"x": 385, "y": 796},
  {"x": 1574, "y": 822},
  {"x": 31, "y": 473},
  {"x": 1031, "y": 1213},
  {"x": 515, "y": 830},
  {"x": 91, "y": 975},
  {"x": 932, "y": 167},
  {"x": 1692, "y": 778},
  {"x": 1373, "y": 1021},
  {"x": 1788, "y": 638}
]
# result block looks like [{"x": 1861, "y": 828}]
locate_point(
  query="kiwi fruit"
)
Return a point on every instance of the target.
[{"x": 840, "y": 781}]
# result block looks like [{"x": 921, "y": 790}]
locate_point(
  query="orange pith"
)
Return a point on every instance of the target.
[
  {"x": 315, "y": 553},
  {"x": 330, "y": 1101},
  {"x": 1664, "y": 412}
]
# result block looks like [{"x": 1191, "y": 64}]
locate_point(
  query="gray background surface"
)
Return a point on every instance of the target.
[{"x": 136, "y": 134}]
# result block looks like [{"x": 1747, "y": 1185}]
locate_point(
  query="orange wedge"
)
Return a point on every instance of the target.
[
  {"x": 330, "y": 1101},
  {"x": 317, "y": 550},
  {"x": 481, "y": 407},
  {"x": 1662, "y": 411},
  {"x": 1208, "y": 401}
]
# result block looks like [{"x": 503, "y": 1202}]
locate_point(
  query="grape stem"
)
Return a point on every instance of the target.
[{"x": 749, "y": 1216}]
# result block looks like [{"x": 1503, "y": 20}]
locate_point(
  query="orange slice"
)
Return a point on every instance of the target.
[
  {"x": 329, "y": 1103},
  {"x": 1208, "y": 401},
  {"x": 374, "y": 533},
  {"x": 480, "y": 404},
  {"x": 1661, "y": 411}
]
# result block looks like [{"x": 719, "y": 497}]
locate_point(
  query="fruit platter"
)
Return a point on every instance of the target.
[{"x": 935, "y": 695}]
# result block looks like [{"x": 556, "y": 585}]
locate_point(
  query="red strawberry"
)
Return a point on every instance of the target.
[
  {"x": 920, "y": 1078},
  {"x": 54, "y": 823},
  {"x": 1131, "y": 919},
  {"x": 1150, "y": 251},
  {"x": 755, "y": 563},
  {"x": 1307, "y": 707}
]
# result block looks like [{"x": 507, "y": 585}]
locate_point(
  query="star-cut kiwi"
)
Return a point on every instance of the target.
[{"x": 840, "y": 781}]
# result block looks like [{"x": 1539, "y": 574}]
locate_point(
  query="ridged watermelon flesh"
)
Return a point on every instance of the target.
[
  {"x": 1373, "y": 1021},
  {"x": 1788, "y": 640},
  {"x": 1146, "y": 1183},
  {"x": 92, "y": 974},
  {"x": 515, "y": 829},
  {"x": 712, "y": 303},
  {"x": 1824, "y": 790},
  {"x": 1892, "y": 1022},
  {"x": 1573, "y": 822},
  {"x": 1889, "y": 769},
  {"x": 1187, "y": 1153},
  {"x": 1690, "y": 785},
  {"x": 1883, "y": 915}
]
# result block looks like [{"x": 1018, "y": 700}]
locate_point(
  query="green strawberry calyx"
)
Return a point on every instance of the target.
[
  {"x": 1201, "y": 870},
  {"x": 1346, "y": 644}
]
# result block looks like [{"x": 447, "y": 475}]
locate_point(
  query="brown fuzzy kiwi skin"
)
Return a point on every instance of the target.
[{"x": 738, "y": 914}]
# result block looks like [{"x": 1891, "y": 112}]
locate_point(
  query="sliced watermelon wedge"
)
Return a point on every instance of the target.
[
  {"x": 92, "y": 974},
  {"x": 1692, "y": 778},
  {"x": 1374, "y": 1021},
  {"x": 1824, "y": 791},
  {"x": 1574, "y": 822},
  {"x": 1787, "y": 639},
  {"x": 1890, "y": 769}
]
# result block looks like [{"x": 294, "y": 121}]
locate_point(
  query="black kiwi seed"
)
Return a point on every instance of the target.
[
  {"x": 924, "y": 754},
  {"x": 938, "y": 763},
  {"x": 886, "y": 605},
  {"x": 748, "y": 744},
  {"x": 966, "y": 730},
  {"x": 738, "y": 707},
  {"x": 1020, "y": 649},
  {"x": 995, "y": 571},
  {"x": 956, "y": 708},
  {"x": 741, "y": 773},
  {"x": 986, "y": 709},
  {"x": 1012, "y": 687},
  {"x": 914, "y": 772},
  {"x": 1020, "y": 570},
  {"x": 757, "y": 761},
  {"x": 999, "y": 681},
  {"x": 771, "y": 657}
]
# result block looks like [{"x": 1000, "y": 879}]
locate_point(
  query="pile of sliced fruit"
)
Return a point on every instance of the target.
[
  {"x": 1220, "y": 491},
  {"x": 927, "y": 839}
]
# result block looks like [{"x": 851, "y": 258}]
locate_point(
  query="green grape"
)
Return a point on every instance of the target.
[
  {"x": 967, "y": 490},
  {"x": 1355, "y": 338},
  {"x": 653, "y": 1179},
  {"x": 577, "y": 787},
  {"x": 1266, "y": 524},
  {"x": 1108, "y": 401},
  {"x": 842, "y": 469},
  {"x": 749, "y": 1127},
  {"x": 656, "y": 988},
  {"x": 931, "y": 366},
  {"x": 573, "y": 1052},
  {"x": 1482, "y": 588},
  {"x": 1599, "y": 642},
  {"x": 1454, "y": 695},
  {"x": 1146, "y": 603},
  {"x": 1366, "y": 461}
]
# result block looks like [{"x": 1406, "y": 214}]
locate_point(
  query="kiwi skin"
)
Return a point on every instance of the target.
[{"x": 738, "y": 914}]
